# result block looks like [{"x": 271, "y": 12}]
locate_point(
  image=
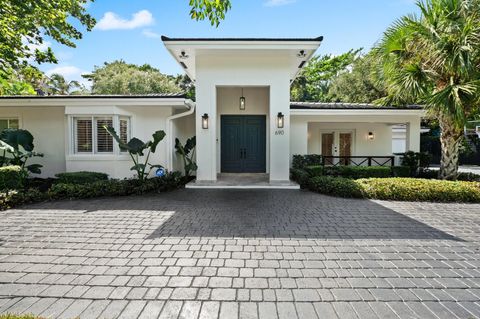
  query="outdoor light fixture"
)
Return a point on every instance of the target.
[
  {"x": 301, "y": 54},
  {"x": 242, "y": 102},
  {"x": 205, "y": 121},
  {"x": 371, "y": 136},
  {"x": 280, "y": 119}
]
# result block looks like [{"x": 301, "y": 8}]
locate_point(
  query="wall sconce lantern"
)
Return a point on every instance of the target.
[
  {"x": 280, "y": 120},
  {"x": 371, "y": 136},
  {"x": 242, "y": 102},
  {"x": 205, "y": 121}
]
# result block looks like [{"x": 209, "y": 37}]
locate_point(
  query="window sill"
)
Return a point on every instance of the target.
[{"x": 98, "y": 157}]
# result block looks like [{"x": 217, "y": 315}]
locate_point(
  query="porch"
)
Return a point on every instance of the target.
[{"x": 243, "y": 181}]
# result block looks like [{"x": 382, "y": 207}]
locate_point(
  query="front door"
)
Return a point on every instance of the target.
[{"x": 243, "y": 144}]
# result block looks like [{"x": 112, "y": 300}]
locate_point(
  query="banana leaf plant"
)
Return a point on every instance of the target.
[
  {"x": 17, "y": 147},
  {"x": 187, "y": 152},
  {"x": 136, "y": 148}
]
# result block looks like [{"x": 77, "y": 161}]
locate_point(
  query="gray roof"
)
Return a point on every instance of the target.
[
  {"x": 95, "y": 96},
  {"x": 347, "y": 106},
  {"x": 317, "y": 39}
]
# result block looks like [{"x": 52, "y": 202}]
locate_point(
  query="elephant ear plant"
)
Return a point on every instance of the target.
[
  {"x": 17, "y": 146},
  {"x": 187, "y": 153},
  {"x": 137, "y": 149}
]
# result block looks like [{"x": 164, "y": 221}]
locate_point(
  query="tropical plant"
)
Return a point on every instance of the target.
[
  {"x": 136, "y": 149},
  {"x": 17, "y": 147},
  {"x": 119, "y": 77},
  {"x": 187, "y": 152},
  {"x": 434, "y": 59},
  {"x": 60, "y": 86},
  {"x": 314, "y": 81}
]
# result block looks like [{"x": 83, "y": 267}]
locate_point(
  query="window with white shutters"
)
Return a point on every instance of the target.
[{"x": 91, "y": 137}]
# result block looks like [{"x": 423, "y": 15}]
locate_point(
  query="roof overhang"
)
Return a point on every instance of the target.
[
  {"x": 92, "y": 100},
  {"x": 186, "y": 50},
  {"x": 350, "y": 112}
]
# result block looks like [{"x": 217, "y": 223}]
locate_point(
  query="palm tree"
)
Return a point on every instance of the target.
[
  {"x": 434, "y": 59},
  {"x": 60, "y": 86}
]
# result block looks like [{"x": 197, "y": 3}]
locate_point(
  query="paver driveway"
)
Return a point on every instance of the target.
[{"x": 250, "y": 253}]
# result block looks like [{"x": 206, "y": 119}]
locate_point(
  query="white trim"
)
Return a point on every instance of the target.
[
  {"x": 95, "y": 102},
  {"x": 349, "y": 112}
]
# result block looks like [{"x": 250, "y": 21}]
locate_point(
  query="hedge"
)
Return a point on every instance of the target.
[
  {"x": 302, "y": 161},
  {"x": 12, "y": 177},
  {"x": 354, "y": 172},
  {"x": 401, "y": 189},
  {"x": 125, "y": 187},
  {"x": 82, "y": 177}
]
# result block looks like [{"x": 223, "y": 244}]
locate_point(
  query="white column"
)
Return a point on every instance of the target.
[
  {"x": 298, "y": 136},
  {"x": 280, "y": 137},
  {"x": 413, "y": 135}
]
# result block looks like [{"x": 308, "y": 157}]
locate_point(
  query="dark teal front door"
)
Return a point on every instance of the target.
[{"x": 243, "y": 141}]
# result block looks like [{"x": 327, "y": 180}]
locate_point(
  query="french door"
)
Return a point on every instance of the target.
[{"x": 336, "y": 143}]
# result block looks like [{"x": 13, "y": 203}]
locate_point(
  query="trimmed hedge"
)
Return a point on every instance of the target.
[
  {"x": 82, "y": 177},
  {"x": 302, "y": 161},
  {"x": 125, "y": 187},
  {"x": 354, "y": 172},
  {"x": 12, "y": 177},
  {"x": 300, "y": 176},
  {"x": 401, "y": 189}
]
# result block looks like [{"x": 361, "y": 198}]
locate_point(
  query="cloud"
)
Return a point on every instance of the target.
[
  {"x": 111, "y": 21},
  {"x": 277, "y": 3},
  {"x": 150, "y": 34}
]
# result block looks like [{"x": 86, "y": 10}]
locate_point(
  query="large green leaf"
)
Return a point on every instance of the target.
[
  {"x": 136, "y": 146},
  {"x": 34, "y": 168},
  {"x": 190, "y": 144},
  {"x": 157, "y": 137},
  {"x": 18, "y": 137}
]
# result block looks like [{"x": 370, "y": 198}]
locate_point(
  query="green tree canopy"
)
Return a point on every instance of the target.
[
  {"x": 58, "y": 85},
  {"x": 314, "y": 82},
  {"x": 119, "y": 77},
  {"x": 434, "y": 59},
  {"x": 360, "y": 85}
]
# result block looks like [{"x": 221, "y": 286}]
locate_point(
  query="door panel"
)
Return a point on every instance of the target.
[
  {"x": 345, "y": 147},
  {"x": 243, "y": 143}
]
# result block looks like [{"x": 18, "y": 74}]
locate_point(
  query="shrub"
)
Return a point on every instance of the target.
[
  {"x": 13, "y": 198},
  {"x": 403, "y": 189},
  {"x": 81, "y": 177},
  {"x": 302, "y": 161},
  {"x": 337, "y": 186},
  {"x": 354, "y": 172},
  {"x": 469, "y": 177},
  {"x": 12, "y": 177},
  {"x": 416, "y": 161},
  {"x": 300, "y": 176},
  {"x": 401, "y": 171},
  {"x": 14, "y": 316}
]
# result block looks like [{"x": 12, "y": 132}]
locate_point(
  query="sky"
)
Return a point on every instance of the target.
[{"x": 131, "y": 30}]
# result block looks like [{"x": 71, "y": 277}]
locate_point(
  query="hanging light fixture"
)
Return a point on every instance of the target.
[
  {"x": 205, "y": 121},
  {"x": 242, "y": 102},
  {"x": 280, "y": 120}
]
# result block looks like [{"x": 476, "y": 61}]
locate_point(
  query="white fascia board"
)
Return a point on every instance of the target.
[
  {"x": 243, "y": 45},
  {"x": 349, "y": 112},
  {"x": 86, "y": 102}
]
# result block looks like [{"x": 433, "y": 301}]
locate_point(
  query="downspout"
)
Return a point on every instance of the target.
[{"x": 191, "y": 105}]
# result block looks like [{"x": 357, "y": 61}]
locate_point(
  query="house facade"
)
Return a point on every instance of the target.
[{"x": 242, "y": 118}]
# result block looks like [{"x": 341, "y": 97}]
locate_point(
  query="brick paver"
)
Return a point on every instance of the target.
[{"x": 240, "y": 254}]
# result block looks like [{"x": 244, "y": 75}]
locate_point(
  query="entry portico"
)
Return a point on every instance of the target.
[{"x": 260, "y": 71}]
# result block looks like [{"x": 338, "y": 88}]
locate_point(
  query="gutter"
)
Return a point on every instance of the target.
[{"x": 191, "y": 106}]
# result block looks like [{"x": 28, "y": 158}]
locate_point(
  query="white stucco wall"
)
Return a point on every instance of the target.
[
  {"x": 257, "y": 103},
  {"x": 306, "y": 130},
  {"x": 182, "y": 128},
  {"x": 242, "y": 70},
  {"x": 47, "y": 126}
]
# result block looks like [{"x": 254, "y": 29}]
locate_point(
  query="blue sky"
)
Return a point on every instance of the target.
[{"x": 130, "y": 30}]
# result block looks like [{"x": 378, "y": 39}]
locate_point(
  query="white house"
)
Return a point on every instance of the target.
[{"x": 242, "y": 118}]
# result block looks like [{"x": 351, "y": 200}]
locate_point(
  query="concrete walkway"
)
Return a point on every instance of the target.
[{"x": 240, "y": 253}]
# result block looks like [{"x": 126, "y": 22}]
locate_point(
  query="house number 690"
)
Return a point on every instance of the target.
[{"x": 279, "y": 132}]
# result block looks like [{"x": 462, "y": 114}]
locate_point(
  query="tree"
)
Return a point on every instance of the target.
[
  {"x": 119, "y": 77},
  {"x": 434, "y": 59},
  {"x": 186, "y": 85},
  {"x": 360, "y": 85},
  {"x": 22, "y": 81},
  {"x": 24, "y": 24},
  {"x": 314, "y": 81},
  {"x": 60, "y": 86}
]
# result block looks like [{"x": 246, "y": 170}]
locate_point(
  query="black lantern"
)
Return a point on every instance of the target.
[
  {"x": 280, "y": 120},
  {"x": 371, "y": 136},
  {"x": 242, "y": 102},
  {"x": 205, "y": 121}
]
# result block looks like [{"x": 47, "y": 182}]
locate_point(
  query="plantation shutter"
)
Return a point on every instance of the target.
[
  {"x": 104, "y": 140},
  {"x": 124, "y": 131},
  {"x": 83, "y": 132}
]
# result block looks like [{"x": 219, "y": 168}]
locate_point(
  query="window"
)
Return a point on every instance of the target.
[
  {"x": 9, "y": 123},
  {"x": 90, "y": 136}
]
